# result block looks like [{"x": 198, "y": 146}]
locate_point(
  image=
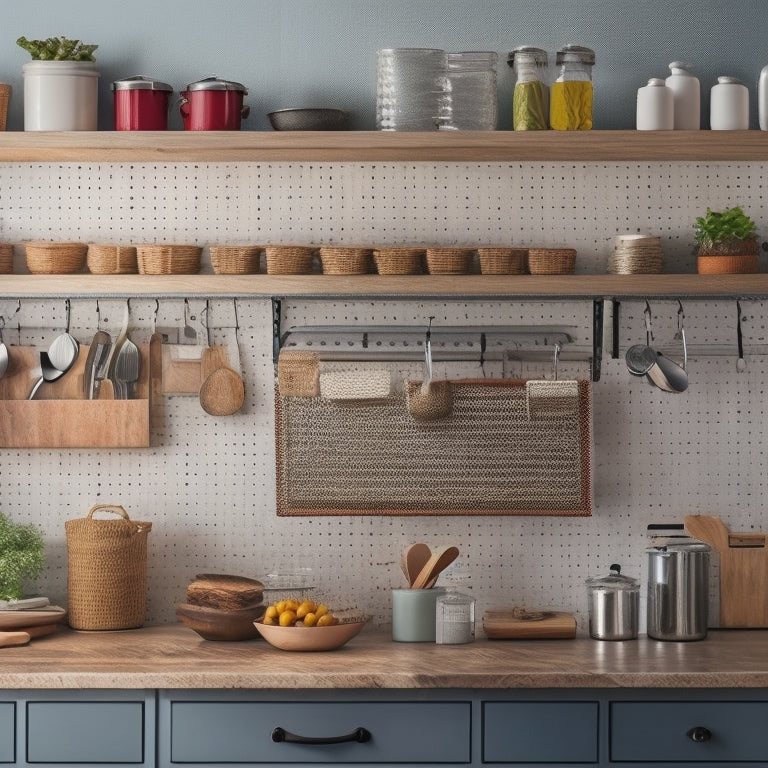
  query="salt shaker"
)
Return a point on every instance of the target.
[
  {"x": 655, "y": 106},
  {"x": 686, "y": 91},
  {"x": 729, "y": 105}
]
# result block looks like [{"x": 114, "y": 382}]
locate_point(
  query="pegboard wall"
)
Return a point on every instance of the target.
[{"x": 208, "y": 483}]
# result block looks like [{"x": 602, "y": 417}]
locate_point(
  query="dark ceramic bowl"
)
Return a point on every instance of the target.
[
  {"x": 220, "y": 623},
  {"x": 308, "y": 119}
]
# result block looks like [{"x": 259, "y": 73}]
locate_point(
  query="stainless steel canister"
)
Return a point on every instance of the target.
[
  {"x": 678, "y": 591},
  {"x": 613, "y": 606}
]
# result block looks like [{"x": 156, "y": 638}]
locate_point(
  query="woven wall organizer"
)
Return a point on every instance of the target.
[{"x": 488, "y": 457}]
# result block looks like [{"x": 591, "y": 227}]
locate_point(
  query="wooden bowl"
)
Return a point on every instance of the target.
[
  {"x": 311, "y": 638},
  {"x": 219, "y": 623}
]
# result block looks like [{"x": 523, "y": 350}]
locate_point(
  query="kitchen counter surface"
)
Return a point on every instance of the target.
[{"x": 175, "y": 657}]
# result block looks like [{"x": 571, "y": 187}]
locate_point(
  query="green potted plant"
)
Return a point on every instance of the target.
[
  {"x": 61, "y": 85},
  {"x": 22, "y": 556},
  {"x": 726, "y": 242}
]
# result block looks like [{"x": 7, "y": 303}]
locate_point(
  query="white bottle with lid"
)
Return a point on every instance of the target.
[
  {"x": 729, "y": 105},
  {"x": 655, "y": 107},
  {"x": 686, "y": 91},
  {"x": 762, "y": 98}
]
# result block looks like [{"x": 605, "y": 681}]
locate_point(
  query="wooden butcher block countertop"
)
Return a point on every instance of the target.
[{"x": 175, "y": 657}]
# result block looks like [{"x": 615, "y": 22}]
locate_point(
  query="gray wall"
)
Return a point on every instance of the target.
[{"x": 323, "y": 52}]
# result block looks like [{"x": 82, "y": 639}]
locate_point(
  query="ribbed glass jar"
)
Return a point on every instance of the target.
[{"x": 473, "y": 98}]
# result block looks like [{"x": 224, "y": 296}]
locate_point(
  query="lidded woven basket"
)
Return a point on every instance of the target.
[{"x": 107, "y": 570}]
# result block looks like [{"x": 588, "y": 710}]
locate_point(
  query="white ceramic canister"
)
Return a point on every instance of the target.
[
  {"x": 60, "y": 96},
  {"x": 686, "y": 91},
  {"x": 762, "y": 98},
  {"x": 655, "y": 106},
  {"x": 729, "y": 105}
]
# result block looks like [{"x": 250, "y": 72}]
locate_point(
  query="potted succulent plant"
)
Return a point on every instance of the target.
[
  {"x": 22, "y": 556},
  {"x": 61, "y": 85},
  {"x": 727, "y": 242}
]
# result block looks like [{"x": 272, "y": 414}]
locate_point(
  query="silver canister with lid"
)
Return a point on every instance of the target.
[
  {"x": 678, "y": 591},
  {"x": 613, "y": 606}
]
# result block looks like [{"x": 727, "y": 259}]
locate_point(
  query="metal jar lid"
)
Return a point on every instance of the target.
[
  {"x": 216, "y": 84},
  {"x": 575, "y": 53},
  {"x": 539, "y": 55},
  {"x": 613, "y": 581},
  {"x": 140, "y": 83}
]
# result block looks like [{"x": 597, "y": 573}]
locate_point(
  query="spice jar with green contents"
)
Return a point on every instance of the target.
[
  {"x": 570, "y": 106},
  {"x": 530, "y": 102}
]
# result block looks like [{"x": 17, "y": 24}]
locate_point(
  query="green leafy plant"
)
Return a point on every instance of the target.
[
  {"x": 57, "y": 49},
  {"x": 22, "y": 556},
  {"x": 723, "y": 227}
]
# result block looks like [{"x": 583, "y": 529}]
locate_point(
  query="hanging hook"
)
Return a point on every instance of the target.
[
  {"x": 483, "y": 344},
  {"x": 557, "y": 357},
  {"x": 681, "y": 332},
  {"x": 648, "y": 331},
  {"x": 427, "y": 359},
  {"x": 68, "y": 305},
  {"x": 741, "y": 363},
  {"x": 205, "y": 321},
  {"x": 18, "y": 321},
  {"x": 98, "y": 316},
  {"x": 237, "y": 322},
  {"x": 154, "y": 316},
  {"x": 2, "y": 325}
]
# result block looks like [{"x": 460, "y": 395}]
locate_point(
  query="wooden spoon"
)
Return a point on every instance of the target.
[
  {"x": 437, "y": 563},
  {"x": 708, "y": 529},
  {"x": 415, "y": 557},
  {"x": 222, "y": 392},
  {"x": 13, "y": 638}
]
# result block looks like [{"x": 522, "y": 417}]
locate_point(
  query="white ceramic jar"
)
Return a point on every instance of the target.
[
  {"x": 729, "y": 105},
  {"x": 60, "y": 96},
  {"x": 655, "y": 107},
  {"x": 762, "y": 99},
  {"x": 686, "y": 91}
]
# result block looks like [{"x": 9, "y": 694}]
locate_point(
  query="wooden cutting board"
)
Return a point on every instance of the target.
[
  {"x": 743, "y": 571},
  {"x": 528, "y": 624}
]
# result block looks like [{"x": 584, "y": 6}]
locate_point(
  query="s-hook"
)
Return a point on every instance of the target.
[{"x": 741, "y": 363}]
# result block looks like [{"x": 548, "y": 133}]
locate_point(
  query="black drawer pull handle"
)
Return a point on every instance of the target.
[
  {"x": 360, "y": 735},
  {"x": 699, "y": 734}
]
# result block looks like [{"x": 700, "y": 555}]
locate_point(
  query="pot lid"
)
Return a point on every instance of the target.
[
  {"x": 140, "y": 83},
  {"x": 613, "y": 581},
  {"x": 682, "y": 546},
  {"x": 216, "y": 84}
]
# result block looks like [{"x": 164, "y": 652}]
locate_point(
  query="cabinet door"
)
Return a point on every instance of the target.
[
  {"x": 7, "y": 732},
  {"x": 217, "y": 732},
  {"x": 101, "y": 732},
  {"x": 729, "y": 731},
  {"x": 540, "y": 732}
]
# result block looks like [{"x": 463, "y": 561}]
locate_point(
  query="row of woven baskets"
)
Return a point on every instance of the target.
[{"x": 67, "y": 258}]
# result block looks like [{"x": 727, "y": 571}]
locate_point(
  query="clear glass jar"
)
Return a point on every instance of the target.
[
  {"x": 473, "y": 99},
  {"x": 570, "y": 104},
  {"x": 530, "y": 102},
  {"x": 454, "y": 619}
]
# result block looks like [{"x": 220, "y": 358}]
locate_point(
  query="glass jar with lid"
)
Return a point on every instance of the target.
[
  {"x": 570, "y": 105},
  {"x": 530, "y": 102}
]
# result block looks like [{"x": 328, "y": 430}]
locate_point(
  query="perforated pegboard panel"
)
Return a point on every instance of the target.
[{"x": 208, "y": 483}]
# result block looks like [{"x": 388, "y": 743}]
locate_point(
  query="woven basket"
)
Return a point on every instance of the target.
[
  {"x": 502, "y": 261},
  {"x": 290, "y": 259},
  {"x": 5, "y": 98},
  {"x": 235, "y": 259},
  {"x": 107, "y": 571},
  {"x": 728, "y": 265},
  {"x": 551, "y": 261},
  {"x": 399, "y": 260},
  {"x": 298, "y": 373},
  {"x": 168, "y": 259},
  {"x": 6, "y": 258},
  {"x": 449, "y": 261},
  {"x": 45, "y": 258},
  {"x": 112, "y": 260},
  {"x": 345, "y": 260}
]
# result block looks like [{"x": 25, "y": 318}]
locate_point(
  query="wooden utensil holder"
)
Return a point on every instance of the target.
[{"x": 60, "y": 417}]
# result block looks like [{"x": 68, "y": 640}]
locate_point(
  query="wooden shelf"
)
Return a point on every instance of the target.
[
  {"x": 370, "y": 146},
  {"x": 411, "y": 287}
]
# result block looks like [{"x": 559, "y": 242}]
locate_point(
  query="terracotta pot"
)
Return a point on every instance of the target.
[{"x": 728, "y": 265}]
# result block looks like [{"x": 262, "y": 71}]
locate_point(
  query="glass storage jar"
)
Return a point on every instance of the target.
[
  {"x": 472, "y": 99},
  {"x": 570, "y": 104},
  {"x": 530, "y": 101}
]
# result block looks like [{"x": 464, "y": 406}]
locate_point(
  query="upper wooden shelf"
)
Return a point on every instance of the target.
[
  {"x": 364, "y": 146},
  {"x": 410, "y": 287}
]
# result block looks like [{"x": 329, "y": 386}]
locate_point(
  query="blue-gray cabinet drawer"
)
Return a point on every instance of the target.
[
  {"x": 540, "y": 732},
  {"x": 664, "y": 731},
  {"x": 101, "y": 732},
  {"x": 241, "y": 732},
  {"x": 7, "y": 732}
]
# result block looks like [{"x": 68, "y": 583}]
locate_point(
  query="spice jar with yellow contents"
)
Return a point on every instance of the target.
[
  {"x": 530, "y": 102},
  {"x": 571, "y": 97}
]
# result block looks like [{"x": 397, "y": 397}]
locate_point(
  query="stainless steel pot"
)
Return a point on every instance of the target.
[
  {"x": 678, "y": 591},
  {"x": 613, "y": 606}
]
